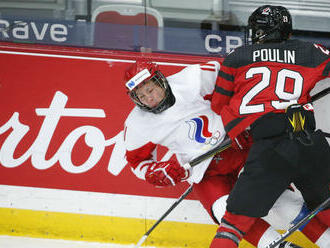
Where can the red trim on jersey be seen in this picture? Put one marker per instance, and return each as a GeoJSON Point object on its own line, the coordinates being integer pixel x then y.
{"type": "Point", "coordinates": [219, 100]}
{"type": "Point", "coordinates": [324, 217]}
{"type": "Point", "coordinates": [205, 131]}
{"type": "Point", "coordinates": [314, 229]}
{"type": "Point", "coordinates": [228, 70]}
{"type": "Point", "coordinates": [255, 233]}
{"type": "Point", "coordinates": [135, 157]}
{"type": "Point", "coordinates": [208, 69]}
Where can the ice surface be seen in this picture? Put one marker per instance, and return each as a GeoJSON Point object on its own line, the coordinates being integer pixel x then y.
{"type": "Point", "coordinates": [26, 242]}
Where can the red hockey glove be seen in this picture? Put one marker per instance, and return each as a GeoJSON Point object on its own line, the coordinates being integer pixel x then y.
{"type": "Point", "coordinates": [243, 141]}
{"type": "Point", "coordinates": [165, 173]}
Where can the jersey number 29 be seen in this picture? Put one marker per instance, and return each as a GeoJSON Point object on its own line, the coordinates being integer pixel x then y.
{"type": "Point", "coordinates": [288, 97]}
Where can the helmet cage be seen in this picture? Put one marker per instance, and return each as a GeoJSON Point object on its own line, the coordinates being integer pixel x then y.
{"type": "Point", "coordinates": [268, 23]}
{"type": "Point", "coordinates": [159, 79]}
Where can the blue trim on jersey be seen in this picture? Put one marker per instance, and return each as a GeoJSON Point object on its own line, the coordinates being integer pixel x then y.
{"type": "Point", "coordinates": [303, 212]}
{"type": "Point", "coordinates": [199, 127]}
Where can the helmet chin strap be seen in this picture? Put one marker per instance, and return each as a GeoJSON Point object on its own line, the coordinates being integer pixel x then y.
{"type": "Point", "coordinates": [270, 35]}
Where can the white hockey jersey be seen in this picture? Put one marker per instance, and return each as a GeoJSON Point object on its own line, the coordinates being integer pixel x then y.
{"type": "Point", "coordinates": [188, 128]}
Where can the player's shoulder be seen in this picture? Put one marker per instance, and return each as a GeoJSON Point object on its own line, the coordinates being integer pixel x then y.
{"type": "Point", "coordinates": [308, 53]}
{"type": "Point", "coordinates": [296, 44]}
{"type": "Point", "coordinates": [207, 66]}
{"type": "Point", "coordinates": [192, 71]}
{"type": "Point", "coordinates": [237, 56]}
{"type": "Point", "coordinates": [138, 126]}
{"type": "Point", "coordinates": [136, 118]}
{"type": "Point", "coordinates": [210, 65]}
{"type": "Point", "coordinates": [307, 47]}
{"type": "Point", "coordinates": [321, 49]}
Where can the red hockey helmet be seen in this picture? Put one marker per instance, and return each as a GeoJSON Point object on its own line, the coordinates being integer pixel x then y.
{"type": "Point", "coordinates": [141, 72]}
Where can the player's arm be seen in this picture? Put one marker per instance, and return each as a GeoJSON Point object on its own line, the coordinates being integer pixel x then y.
{"type": "Point", "coordinates": [158, 173]}
{"type": "Point", "coordinates": [209, 74]}
{"type": "Point", "coordinates": [323, 54]}
{"type": "Point", "coordinates": [224, 87]}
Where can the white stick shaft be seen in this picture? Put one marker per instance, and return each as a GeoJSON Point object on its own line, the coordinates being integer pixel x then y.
{"type": "Point", "coordinates": [141, 241]}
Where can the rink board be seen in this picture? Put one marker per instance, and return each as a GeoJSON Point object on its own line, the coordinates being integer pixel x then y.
{"type": "Point", "coordinates": [62, 170]}
{"type": "Point", "coordinates": [109, 218]}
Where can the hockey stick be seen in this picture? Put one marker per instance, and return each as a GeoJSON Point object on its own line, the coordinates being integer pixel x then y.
{"type": "Point", "coordinates": [321, 94]}
{"type": "Point", "coordinates": [299, 224]}
{"type": "Point", "coordinates": [145, 236]}
{"type": "Point", "coordinates": [226, 143]}
{"type": "Point", "coordinates": [327, 135]}
{"type": "Point", "coordinates": [219, 148]}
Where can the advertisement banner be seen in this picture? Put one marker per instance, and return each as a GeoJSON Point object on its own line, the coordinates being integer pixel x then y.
{"type": "Point", "coordinates": [62, 122]}
{"type": "Point", "coordinates": [106, 35]}
{"type": "Point", "coordinates": [44, 31]}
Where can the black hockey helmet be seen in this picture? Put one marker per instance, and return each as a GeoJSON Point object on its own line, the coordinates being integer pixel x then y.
{"type": "Point", "coordinates": [141, 72]}
{"type": "Point", "coordinates": [269, 23]}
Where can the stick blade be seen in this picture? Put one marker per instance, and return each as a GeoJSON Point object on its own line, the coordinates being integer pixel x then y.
{"type": "Point", "coordinates": [141, 241]}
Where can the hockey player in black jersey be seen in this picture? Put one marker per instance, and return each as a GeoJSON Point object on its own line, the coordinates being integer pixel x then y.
{"type": "Point", "coordinates": [265, 86]}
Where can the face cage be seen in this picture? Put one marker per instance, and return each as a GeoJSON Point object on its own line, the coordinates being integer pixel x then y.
{"type": "Point", "coordinates": [273, 34]}
{"type": "Point", "coordinates": [248, 36]}
{"type": "Point", "coordinates": [161, 81]}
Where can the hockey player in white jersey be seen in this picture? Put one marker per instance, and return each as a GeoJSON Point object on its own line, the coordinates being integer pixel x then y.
{"type": "Point", "coordinates": [174, 112]}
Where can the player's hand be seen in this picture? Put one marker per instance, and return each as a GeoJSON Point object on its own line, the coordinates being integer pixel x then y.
{"type": "Point", "coordinates": [165, 173]}
{"type": "Point", "coordinates": [243, 141]}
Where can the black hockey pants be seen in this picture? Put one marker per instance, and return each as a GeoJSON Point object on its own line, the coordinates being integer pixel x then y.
{"type": "Point", "coordinates": [276, 161]}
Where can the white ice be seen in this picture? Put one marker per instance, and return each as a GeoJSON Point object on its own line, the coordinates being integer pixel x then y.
{"type": "Point", "coordinates": [26, 242]}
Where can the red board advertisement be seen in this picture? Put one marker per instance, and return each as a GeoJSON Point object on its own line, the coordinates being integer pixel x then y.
{"type": "Point", "coordinates": [61, 112]}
